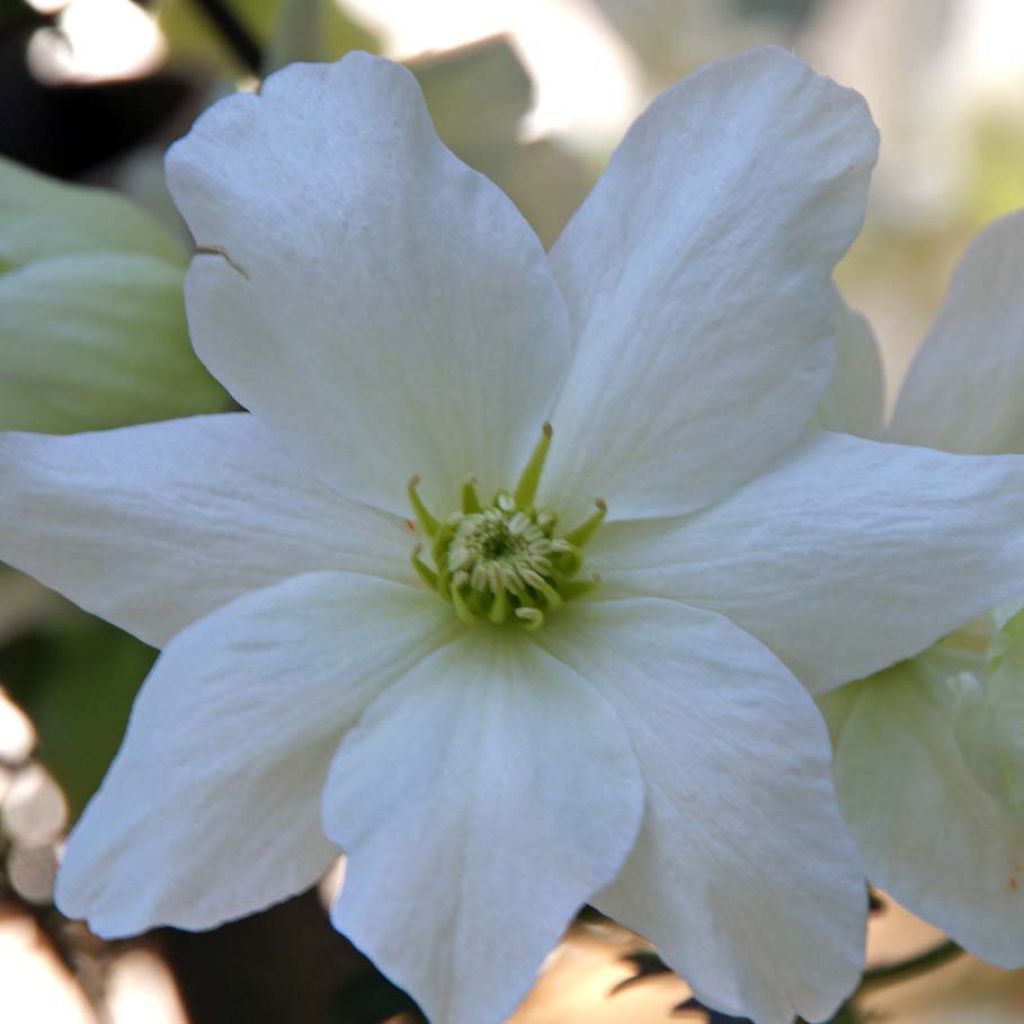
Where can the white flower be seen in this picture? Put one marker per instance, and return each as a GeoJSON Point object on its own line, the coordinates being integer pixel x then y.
{"type": "Point", "coordinates": [917, 748]}
{"type": "Point", "coordinates": [383, 312]}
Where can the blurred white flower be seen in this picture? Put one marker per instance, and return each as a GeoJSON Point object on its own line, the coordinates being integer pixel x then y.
{"type": "Point", "coordinates": [930, 754]}
{"type": "Point", "coordinates": [646, 745]}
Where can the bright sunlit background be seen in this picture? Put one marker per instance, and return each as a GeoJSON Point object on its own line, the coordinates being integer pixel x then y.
{"type": "Point", "coordinates": [535, 93]}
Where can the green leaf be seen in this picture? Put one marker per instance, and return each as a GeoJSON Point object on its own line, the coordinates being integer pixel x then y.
{"type": "Point", "coordinates": [855, 400]}
{"type": "Point", "coordinates": [92, 323]}
{"type": "Point", "coordinates": [42, 217]}
{"type": "Point", "coordinates": [478, 96]}
{"type": "Point", "coordinates": [287, 30]}
{"type": "Point", "coordinates": [313, 30]}
{"type": "Point", "coordinates": [96, 340]}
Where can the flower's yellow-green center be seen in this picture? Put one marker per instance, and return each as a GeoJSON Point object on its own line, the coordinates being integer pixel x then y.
{"type": "Point", "coordinates": [506, 561]}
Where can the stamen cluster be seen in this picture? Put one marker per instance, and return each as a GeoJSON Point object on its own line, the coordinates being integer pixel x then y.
{"type": "Point", "coordinates": [504, 561]}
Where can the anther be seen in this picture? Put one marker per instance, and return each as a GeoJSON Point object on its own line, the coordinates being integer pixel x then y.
{"type": "Point", "coordinates": [541, 585]}
{"type": "Point", "coordinates": [502, 559]}
{"type": "Point", "coordinates": [546, 520]}
{"type": "Point", "coordinates": [532, 618]}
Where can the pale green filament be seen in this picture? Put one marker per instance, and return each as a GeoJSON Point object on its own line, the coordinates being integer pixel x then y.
{"type": "Point", "coordinates": [504, 562]}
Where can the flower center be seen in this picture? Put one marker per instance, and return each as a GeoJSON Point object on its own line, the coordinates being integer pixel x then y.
{"type": "Point", "coordinates": [505, 561]}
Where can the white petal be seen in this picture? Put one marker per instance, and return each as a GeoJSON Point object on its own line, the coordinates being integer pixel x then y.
{"type": "Point", "coordinates": [211, 808]}
{"type": "Point", "coordinates": [963, 391]}
{"type": "Point", "coordinates": [698, 277]}
{"type": "Point", "coordinates": [929, 834]}
{"type": "Point", "coordinates": [480, 802]}
{"type": "Point", "coordinates": [154, 526]}
{"type": "Point", "coordinates": [742, 842]}
{"type": "Point", "coordinates": [385, 308]}
{"type": "Point", "coordinates": [844, 557]}
{"type": "Point", "coordinates": [855, 400]}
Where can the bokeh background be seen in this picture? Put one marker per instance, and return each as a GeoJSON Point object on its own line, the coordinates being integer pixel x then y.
{"type": "Point", "coordinates": [534, 93]}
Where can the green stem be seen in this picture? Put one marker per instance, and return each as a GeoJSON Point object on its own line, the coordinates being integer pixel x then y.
{"type": "Point", "coordinates": [930, 959]}
{"type": "Point", "coordinates": [234, 34]}
{"type": "Point", "coordinates": [889, 974]}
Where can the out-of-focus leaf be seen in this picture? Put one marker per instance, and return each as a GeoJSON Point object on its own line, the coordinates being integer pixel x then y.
{"type": "Point", "coordinates": [77, 682]}
{"type": "Point", "coordinates": [855, 400]}
{"type": "Point", "coordinates": [96, 340]}
{"type": "Point", "coordinates": [315, 30]}
{"type": "Point", "coordinates": [477, 95]}
{"type": "Point", "coordinates": [286, 30]}
{"type": "Point", "coordinates": [547, 182]}
{"type": "Point", "coordinates": [192, 37]}
{"type": "Point", "coordinates": [997, 154]}
{"type": "Point", "coordinates": [26, 605]}
{"type": "Point", "coordinates": [42, 217]}
{"type": "Point", "coordinates": [92, 322]}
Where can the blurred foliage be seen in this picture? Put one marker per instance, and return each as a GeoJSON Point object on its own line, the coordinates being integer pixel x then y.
{"type": "Point", "coordinates": [92, 320]}
{"type": "Point", "coordinates": [371, 999]}
{"type": "Point", "coordinates": [997, 159]}
{"type": "Point", "coordinates": [314, 30]}
{"type": "Point", "coordinates": [284, 32]}
{"type": "Point", "coordinates": [478, 96]}
{"type": "Point", "coordinates": [76, 677]}
{"type": "Point", "coordinates": [41, 217]}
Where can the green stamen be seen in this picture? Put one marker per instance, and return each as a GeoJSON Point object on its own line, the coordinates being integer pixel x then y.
{"type": "Point", "coordinates": [582, 533]}
{"type": "Point", "coordinates": [470, 500]}
{"type": "Point", "coordinates": [499, 609]}
{"type": "Point", "coordinates": [531, 618]}
{"type": "Point", "coordinates": [462, 610]}
{"type": "Point", "coordinates": [423, 570]}
{"type": "Point", "coordinates": [577, 588]}
{"type": "Point", "coordinates": [526, 488]}
{"type": "Point", "coordinates": [504, 562]}
{"type": "Point", "coordinates": [428, 524]}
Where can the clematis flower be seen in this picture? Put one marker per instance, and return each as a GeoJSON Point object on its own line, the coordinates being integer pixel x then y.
{"type": "Point", "coordinates": [929, 754]}
{"type": "Point", "coordinates": [428, 675]}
